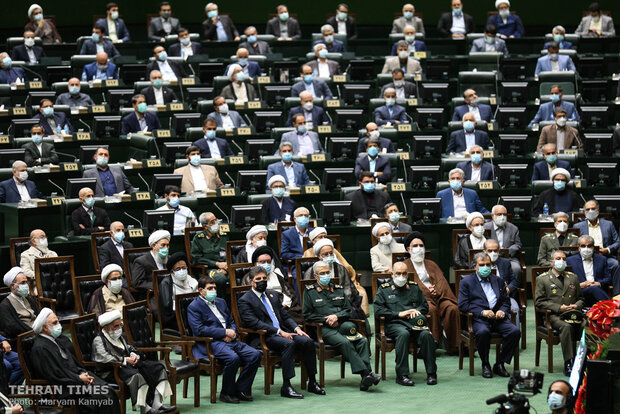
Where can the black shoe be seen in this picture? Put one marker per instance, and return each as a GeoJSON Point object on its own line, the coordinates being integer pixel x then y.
{"type": "Point", "coordinates": [500, 370]}
{"type": "Point", "coordinates": [315, 388]}
{"type": "Point", "coordinates": [367, 381]}
{"type": "Point", "coordinates": [376, 378]}
{"type": "Point", "coordinates": [167, 408]}
{"type": "Point", "coordinates": [242, 396]}
{"type": "Point", "coordinates": [568, 365]}
{"type": "Point", "coordinates": [289, 392]}
{"type": "Point", "coordinates": [404, 380]}
{"type": "Point", "coordinates": [486, 371]}
{"type": "Point", "coordinates": [431, 379]}
{"type": "Point", "coordinates": [229, 399]}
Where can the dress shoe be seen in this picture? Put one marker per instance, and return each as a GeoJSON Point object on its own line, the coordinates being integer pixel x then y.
{"type": "Point", "coordinates": [404, 380]}
{"type": "Point", "coordinates": [500, 370]}
{"type": "Point", "coordinates": [167, 408]}
{"type": "Point", "coordinates": [367, 381]}
{"type": "Point", "coordinates": [431, 379]}
{"type": "Point", "coordinates": [486, 371]}
{"type": "Point", "coordinates": [289, 392]}
{"type": "Point", "coordinates": [376, 378]}
{"type": "Point", "coordinates": [568, 365]}
{"type": "Point", "coordinates": [315, 388]}
{"type": "Point", "coordinates": [229, 399]}
{"type": "Point", "coordinates": [244, 397]}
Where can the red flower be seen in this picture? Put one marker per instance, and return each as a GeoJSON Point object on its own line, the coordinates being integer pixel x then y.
{"type": "Point", "coordinates": [601, 316]}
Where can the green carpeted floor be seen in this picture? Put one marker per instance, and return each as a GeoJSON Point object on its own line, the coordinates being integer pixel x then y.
{"type": "Point", "coordinates": [456, 391]}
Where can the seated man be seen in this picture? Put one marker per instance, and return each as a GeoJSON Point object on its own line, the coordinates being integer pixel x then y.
{"type": "Point", "coordinates": [53, 123]}
{"type": "Point", "coordinates": [110, 178]}
{"type": "Point", "coordinates": [225, 118]}
{"type": "Point", "coordinates": [256, 237]}
{"type": "Point", "coordinates": [54, 360]}
{"type": "Point", "coordinates": [209, 316]}
{"type": "Point", "coordinates": [140, 120]}
{"type": "Point", "coordinates": [592, 271]}
{"type": "Point", "coordinates": [408, 19]}
{"type": "Point", "coordinates": [484, 295]}
{"type": "Point", "coordinates": [304, 142]}
{"type": "Point", "coordinates": [343, 22]}
{"type": "Point", "coordinates": [43, 28]}
{"type": "Point", "coordinates": [491, 42]}
{"type": "Point", "coordinates": [250, 68]}
{"type": "Point", "coordinates": [294, 173]}
{"type": "Point", "coordinates": [378, 165]}
{"type": "Point", "coordinates": [38, 249]}
{"type": "Point", "coordinates": [142, 377]}
{"type": "Point", "coordinates": [218, 28]}
{"type": "Point", "coordinates": [509, 25]}
{"type": "Point", "coordinates": [253, 45]}
{"type": "Point", "coordinates": [170, 70]}
{"type": "Point", "coordinates": [239, 89]}
{"type": "Point", "coordinates": [19, 309]}
{"type": "Point", "coordinates": [457, 201]}
{"type": "Point", "coordinates": [112, 250]}
{"type": "Point", "coordinates": [211, 146]}
{"type": "Point", "coordinates": [372, 131]}
{"type": "Point", "coordinates": [551, 293]}
{"type": "Point", "coordinates": [185, 47]}
{"type": "Point", "coordinates": [475, 240]}
{"type": "Point", "coordinates": [12, 368]}
{"type": "Point", "coordinates": [38, 152]}
{"type": "Point", "coordinates": [507, 235]}
{"type": "Point", "coordinates": [559, 36]}
{"type": "Point", "coordinates": [402, 304]}
{"type": "Point", "coordinates": [390, 113]}
{"type": "Point", "coordinates": [414, 45]}
{"type": "Point", "coordinates": [332, 45]}
{"type": "Point", "coordinates": [209, 248]}
{"type": "Point", "coordinates": [455, 24]}
{"type": "Point", "coordinates": [381, 253]}
{"type": "Point", "coordinates": [315, 115]}
{"type": "Point", "coordinates": [178, 282]}
{"type": "Point", "coordinates": [559, 197]}
{"type": "Point", "coordinates": [28, 52]}
{"type": "Point", "coordinates": [88, 218]}
{"type": "Point", "coordinates": [262, 309]}
{"type": "Point", "coordinates": [100, 70]}
{"type": "Point", "coordinates": [327, 304]}
{"type": "Point", "coordinates": [546, 111]}
{"type": "Point", "coordinates": [143, 267]}
{"type": "Point", "coordinates": [551, 242]}
{"type": "Point", "coordinates": [404, 89]}
{"type": "Point", "coordinates": [596, 24]}
{"type": "Point", "coordinates": [19, 187]}
{"type": "Point", "coordinates": [157, 94]}
{"type": "Point", "coordinates": [542, 169]}
{"type": "Point", "coordinates": [9, 74]}
{"type": "Point", "coordinates": [277, 208]}
{"type": "Point", "coordinates": [98, 43]}
{"type": "Point", "coordinates": [164, 24]}
{"type": "Point", "coordinates": [112, 296]}
{"type": "Point", "coordinates": [462, 140]}
{"type": "Point", "coordinates": [560, 134]}
{"type": "Point", "coordinates": [391, 213]}
{"type": "Point", "coordinates": [477, 169]}
{"type": "Point", "coordinates": [113, 25]}
{"type": "Point", "coordinates": [553, 61]}
{"type": "Point", "coordinates": [183, 216]}
{"type": "Point", "coordinates": [197, 176]}
{"type": "Point", "coordinates": [402, 60]}
{"type": "Point", "coordinates": [367, 202]}
{"type": "Point", "coordinates": [482, 112]}
{"type": "Point", "coordinates": [291, 247]}
{"type": "Point", "coordinates": [308, 82]}
{"type": "Point", "coordinates": [502, 268]}
{"type": "Point", "coordinates": [74, 97]}
{"type": "Point", "coordinates": [282, 26]}
{"type": "Point", "coordinates": [321, 66]}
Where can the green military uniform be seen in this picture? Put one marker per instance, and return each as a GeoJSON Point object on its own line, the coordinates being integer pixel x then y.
{"type": "Point", "coordinates": [319, 303]}
{"type": "Point", "coordinates": [551, 293]}
{"type": "Point", "coordinates": [389, 302]}
{"type": "Point", "coordinates": [207, 250]}
{"type": "Point", "coordinates": [549, 243]}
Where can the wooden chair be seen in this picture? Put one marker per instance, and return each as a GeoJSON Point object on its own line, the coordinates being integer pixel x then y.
{"type": "Point", "coordinates": [399, 235]}
{"type": "Point", "coordinates": [188, 236]}
{"type": "Point", "coordinates": [301, 265]}
{"type": "Point", "coordinates": [165, 334]}
{"type": "Point", "coordinates": [18, 245]}
{"type": "Point", "coordinates": [96, 240]}
{"type": "Point", "coordinates": [285, 225]}
{"type": "Point", "coordinates": [84, 287]}
{"type": "Point", "coordinates": [466, 330]}
{"type": "Point", "coordinates": [232, 250]}
{"type": "Point", "coordinates": [236, 272]}
{"type": "Point", "coordinates": [544, 330]}
{"type": "Point", "coordinates": [54, 277]}
{"type": "Point", "coordinates": [139, 331]}
{"type": "Point", "coordinates": [129, 256]}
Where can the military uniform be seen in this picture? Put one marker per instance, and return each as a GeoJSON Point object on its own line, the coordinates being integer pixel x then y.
{"type": "Point", "coordinates": [319, 303]}
{"type": "Point", "coordinates": [551, 293]}
{"type": "Point", "coordinates": [207, 250]}
{"type": "Point", "coordinates": [389, 302]}
{"type": "Point", "coordinates": [549, 243]}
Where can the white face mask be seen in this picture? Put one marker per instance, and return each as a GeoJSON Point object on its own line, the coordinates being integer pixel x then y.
{"type": "Point", "coordinates": [42, 243]}
{"type": "Point", "coordinates": [592, 215]}
{"type": "Point", "coordinates": [478, 231]}
{"type": "Point", "coordinates": [559, 265]}
{"type": "Point", "coordinates": [417, 254]}
{"type": "Point", "coordinates": [400, 281]}
{"type": "Point", "coordinates": [562, 226]}
{"type": "Point", "coordinates": [500, 221]}
{"type": "Point", "coordinates": [385, 240]}
{"type": "Point", "coordinates": [493, 256]}
{"type": "Point", "coordinates": [22, 176]}
{"type": "Point", "coordinates": [403, 54]}
{"type": "Point", "coordinates": [261, 243]}
{"type": "Point", "coordinates": [116, 334]}
{"type": "Point", "coordinates": [374, 134]}
{"type": "Point", "coordinates": [586, 253]}
{"type": "Point", "coordinates": [116, 286]}
{"type": "Point", "coordinates": [29, 41]}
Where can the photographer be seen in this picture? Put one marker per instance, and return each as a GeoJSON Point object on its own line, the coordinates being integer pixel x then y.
{"type": "Point", "coordinates": [560, 397]}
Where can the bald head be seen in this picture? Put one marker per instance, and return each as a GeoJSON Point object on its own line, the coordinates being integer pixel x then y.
{"type": "Point", "coordinates": [399, 267]}
{"type": "Point", "coordinates": [469, 117]}
{"type": "Point", "coordinates": [86, 192]}
{"type": "Point", "coordinates": [102, 58]}
{"type": "Point", "coordinates": [242, 53]}
{"type": "Point", "coordinates": [305, 96]}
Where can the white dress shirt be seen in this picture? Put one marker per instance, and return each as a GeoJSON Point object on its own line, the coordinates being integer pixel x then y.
{"type": "Point", "coordinates": [31, 56]}
{"type": "Point", "coordinates": [561, 133]}
{"type": "Point", "coordinates": [181, 214]}
{"type": "Point", "coordinates": [588, 269]}
{"type": "Point", "coordinates": [342, 27]}
{"type": "Point", "coordinates": [112, 30]}
{"type": "Point", "coordinates": [499, 232]}
{"type": "Point", "coordinates": [305, 144]}
{"type": "Point", "coordinates": [595, 233]}
{"type": "Point", "coordinates": [458, 201]}
{"type": "Point", "coordinates": [458, 24]}
{"type": "Point", "coordinates": [166, 71]}
{"type": "Point", "coordinates": [555, 65]}
{"type": "Point", "coordinates": [323, 70]}
{"type": "Point", "coordinates": [400, 93]}
{"type": "Point", "coordinates": [470, 140]}
{"type": "Point", "coordinates": [227, 122]}
{"type": "Point", "coordinates": [99, 47]}
{"type": "Point", "coordinates": [290, 174]}
{"type": "Point", "coordinates": [216, 312]}
{"type": "Point", "coordinates": [475, 173]}
{"type": "Point", "coordinates": [213, 147]}
{"type": "Point", "coordinates": [200, 184]}
{"type": "Point", "coordinates": [119, 247]}
{"type": "Point", "coordinates": [23, 191]}
{"type": "Point", "coordinates": [187, 51]}
{"type": "Point", "coordinates": [476, 111]}
{"type": "Point", "coordinates": [159, 95]}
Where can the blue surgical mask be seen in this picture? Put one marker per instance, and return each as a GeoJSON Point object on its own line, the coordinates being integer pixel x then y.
{"type": "Point", "coordinates": [408, 15]}
{"type": "Point", "coordinates": [373, 151]}
{"type": "Point", "coordinates": [48, 111]}
{"type": "Point", "coordinates": [23, 290]}
{"type": "Point", "coordinates": [329, 39]}
{"type": "Point", "coordinates": [174, 202]}
{"type": "Point", "coordinates": [455, 185]}
{"type": "Point", "coordinates": [102, 161]}
{"type": "Point", "coordinates": [241, 77]}
{"type": "Point", "coordinates": [457, 12]}
{"type": "Point", "coordinates": [369, 187]}
{"type": "Point", "coordinates": [323, 53]}
{"type": "Point", "coordinates": [38, 17]}
{"type": "Point", "coordinates": [252, 39]}
{"type": "Point", "coordinates": [555, 401]}
{"type": "Point", "coordinates": [119, 236]}
{"type": "Point", "coordinates": [284, 16]}
{"type": "Point", "coordinates": [142, 107]}
{"type": "Point", "coordinates": [410, 39]}
{"type": "Point", "coordinates": [95, 37]}
{"type": "Point", "coordinates": [266, 266]}
{"type": "Point", "coordinates": [484, 271]}
{"type": "Point", "coordinates": [211, 295]}
{"type": "Point", "coordinates": [242, 62]}
{"type": "Point", "coordinates": [559, 185]}
{"type": "Point", "coordinates": [212, 14]}
{"type": "Point", "coordinates": [328, 259]}
{"type": "Point", "coordinates": [390, 101]}
{"type": "Point", "coordinates": [162, 56]}
{"type": "Point", "coordinates": [558, 38]}
{"type": "Point", "coordinates": [278, 192]}
{"type": "Point", "coordinates": [504, 13]}
{"type": "Point", "coordinates": [325, 279]}
{"type": "Point", "coordinates": [287, 156]}
{"type": "Point", "coordinates": [489, 39]}
{"type": "Point", "coordinates": [302, 129]}
{"type": "Point", "coordinates": [74, 90]}
{"type": "Point", "coordinates": [37, 139]}
{"type": "Point", "coordinates": [342, 16]}
{"type": "Point", "coordinates": [89, 202]}
{"type": "Point", "coordinates": [7, 62]}
{"type": "Point", "coordinates": [555, 98]}
{"type": "Point", "coordinates": [185, 41]}
{"type": "Point", "coordinates": [308, 78]}
{"type": "Point", "coordinates": [476, 158]}
{"type": "Point", "coordinates": [163, 252]}
{"type": "Point", "coordinates": [551, 159]}
{"type": "Point", "coordinates": [302, 221]}
{"type": "Point", "coordinates": [180, 275]}
{"type": "Point", "coordinates": [56, 330]}
{"type": "Point", "coordinates": [195, 159]}
{"type": "Point", "coordinates": [394, 216]}
{"type": "Point", "coordinates": [210, 134]}
{"type": "Point", "coordinates": [469, 126]}
{"type": "Point", "coordinates": [114, 15]}
{"type": "Point", "coordinates": [158, 83]}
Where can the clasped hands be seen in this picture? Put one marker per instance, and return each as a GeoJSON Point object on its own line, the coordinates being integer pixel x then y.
{"type": "Point", "coordinates": [489, 314]}
{"type": "Point", "coordinates": [409, 314]}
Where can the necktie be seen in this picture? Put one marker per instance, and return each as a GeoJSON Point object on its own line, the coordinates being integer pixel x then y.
{"type": "Point", "coordinates": [561, 240]}
{"type": "Point", "coordinates": [274, 320]}
{"type": "Point", "coordinates": [91, 213]}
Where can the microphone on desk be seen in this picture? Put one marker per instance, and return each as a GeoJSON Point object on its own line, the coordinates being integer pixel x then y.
{"type": "Point", "coordinates": [57, 186]}
{"type": "Point", "coordinates": [314, 209]}
{"type": "Point", "coordinates": [37, 75]}
{"type": "Point", "coordinates": [85, 124]}
{"type": "Point", "coordinates": [236, 145]}
{"type": "Point", "coordinates": [132, 217]}
{"type": "Point", "coordinates": [221, 211]}
{"type": "Point", "coordinates": [315, 176]}
{"type": "Point", "coordinates": [231, 179]}
{"type": "Point", "coordinates": [148, 187]}
{"type": "Point", "coordinates": [73, 157]}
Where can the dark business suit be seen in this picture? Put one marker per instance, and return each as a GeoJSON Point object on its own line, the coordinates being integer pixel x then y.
{"type": "Point", "coordinates": [10, 194]}
{"type": "Point", "coordinates": [541, 169]}
{"type": "Point", "coordinates": [503, 268]}
{"type": "Point", "coordinates": [445, 24]}
{"type": "Point", "coordinates": [600, 271]}
{"type": "Point", "coordinates": [234, 116]}
{"type": "Point", "coordinates": [156, 28]}
{"type": "Point", "coordinates": [383, 116]}
{"type": "Point", "coordinates": [90, 48]}
{"type": "Point", "coordinates": [611, 242]}
{"type": "Point", "coordinates": [271, 211]}
{"type": "Point", "coordinates": [20, 52]}
{"type": "Point", "coordinates": [81, 216]}
{"type": "Point", "coordinates": [109, 254]}
{"type": "Point", "coordinates": [321, 90]}
{"type": "Point", "coordinates": [458, 143]}
{"type": "Point", "coordinates": [121, 29]}
{"type": "Point", "coordinates": [299, 172]}
{"type": "Point", "coordinates": [472, 202]}
{"type": "Point", "coordinates": [175, 49]}
{"type": "Point", "coordinates": [291, 245]}
{"type": "Point", "coordinates": [142, 272]}
{"type": "Point", "coordinates": [131, 123]}
{"type": "Point", "coordinates": [383, 143]}
{"type": "Point", "coordinates": [334, 67]}
{"type": "Point", "coordinates": [512, 27]}
{"type": "Point", "coordinates": [292, 28]}
{"type": "Point", "coordinates": [410, 89]}
{"type": "Point", "coordinates": [350, 24]}
{"type": "Point", "coordinates": [120, 180]}
{"type": "Point", "coordinates": [176, 67]}
{"type": "Point", "coordinates": [382, 164]}
{"type": "Point", "coordinates": [318, 115]}
{"type": "Point", "coordinates": [261, 48]}
{"type": "Point", "coordinates": [210, 29]}
{"type": "Point", "coordinates": [486, 113]}
{"type": "Point", "coordinates": [363, 205]}
{"type": "Point", "coordinates": [59, 118]}
{"type": "Point", "coordinates": [205, 152]}
{"type": "Point", "coordinates": [10, 75]}
{"type": "Point", "coordinates": [548, 196]}
{"type": "Point", "coordinates": [90, 71]}
{"type": "Point", "coordinates": [336, 47]}
{"type": "Point", "coordinates": [47, 155]}
{"type": "Point", "coordinates": [487, 172]}
{"type": "Point", "coordinates": [149, 94]}
{"type": "Point", "coordinates": [419, 45]}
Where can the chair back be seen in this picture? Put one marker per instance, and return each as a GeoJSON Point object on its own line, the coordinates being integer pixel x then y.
{"type": "Point", "coordinates": [188, 236]}
{"type": "Point", "coordinates": [83, 331]}
{"type": "Point", "coordinates": [54, 277]}
{"type": "Point", "coordinates": [237, 271]}
{"type": "Point", "coordinates": [235, 295]}
{"type": "Point", "coordinates": [232, 250]}
{"type": "Point", "coordinates": [129, 256]}
{"type": "Point", "coordinates": [302, 264]}
{"type": "Point", "coordinates": [18, 245]}
{"type": "Point", "coordinates": [25, 342]}
{"type": "Point", "coordinates": [281, 227]}
{"type": "Point", "coordinates": [96, 240]}
{"type": "Point", "coordinates": [138, 325]}
{"type": "Point", "coordinates": [158, 276]}
{"type": "Point", "coordinates": [182, 302]}
{"type": "Point", "coordinates": [84, 287]}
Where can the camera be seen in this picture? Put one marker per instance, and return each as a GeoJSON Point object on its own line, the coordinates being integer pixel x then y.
{"type": "Point", "coordinates": [515, 402]}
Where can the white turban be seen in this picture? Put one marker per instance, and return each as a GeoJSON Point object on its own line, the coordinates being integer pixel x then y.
{"type": "Point", "coordinates": [378, 226]}
{"type": "Point", "coordinates": [471, 218]}
{"type": "Point", "coordinates": [231, 70]}
{"type": "Point", "coordinates": [41, 320]}
{"type": "Point", "coordinates": [498, 2]}
{"type": "Point", "coordinates": [109, 317]}
{"type": "Point", "coordinates": [275, 179]}
{"type": "Point", "coordinates": [34, 6]}
{"type": "Point", "coordinates": [109, 269]}
{"type": "Point", "coordinates": [258, 229]}
{"type": "Point", "coordinates": [320, 244]}
{"type": "Point", "coordinates": [11, 275]}
{"type": "Point", "coordinates": [158, 235]}
{"type": "Point", "coordinates": [560, 171]}
{"type": "Point", "coordinates": [316, 232]}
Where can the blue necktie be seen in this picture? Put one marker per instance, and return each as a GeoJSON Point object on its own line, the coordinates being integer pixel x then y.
{"type": "Point", "coordinates": [272, 315]}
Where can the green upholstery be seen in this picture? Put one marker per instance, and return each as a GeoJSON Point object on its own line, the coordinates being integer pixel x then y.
{"type": "Point", "coordinates": [257, 198]}
{"type": "Point", "coordinates": [483, 82]}
{"type": "Point", "coordinates": [267, 160]}
{"type": "Point", "coordinates": [62, 87]}
{"type": "Point", "coordinates": [276, 133]}
{"type": "Point", "coordinates": [206, 106]}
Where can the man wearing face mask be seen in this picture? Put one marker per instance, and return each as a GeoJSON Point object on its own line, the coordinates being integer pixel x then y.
{"type": "Point", "coordinates": [249, 68]}
{"type": "Point", "coordinates": [211, 146]}
{"type": "Point", "coordinates": [223, 116]}
{"type": "Point", "coordinates": [112, 295]}
{"type": "Point", "coordinates": [182, 215]}
{"type": "Point", "coordinates": [43, 28]}
{"type": "Point", "coordinates": [98, 43]}
{"type": "Point", "coordinates": [393, 216]}
{"type": "Point", "coordinates": [143, 267]}
{"type": "Point", "coordinates": [294, 173]}
{"type": "Point", "coordinates": [560, 134]}
{"type": "Point", "coordinates": [239, 89]}
{"type": "Point", "coordinates": [508, 24]}
{"type": "Point", "coordinates": [372, 131]}
{"type": "Point", "coordinates": [408, 19]}
{"type": "Point", "coordinates": [292, 239]}
{"type": "Point", "coordinates": [477, 169]}
{"type": "Point", "coordinates": [314, 114]}
{"type": "Point", "coordinates": [100, 70]}
{"type": "Point", "coordinates": [256, 237]}
{"type": "Point", "coordinates": [218, 28]}
{"type": "Point", "coordinates": [170, 70]}
{"type": "Point", "coordinates": [282, 26]}
{"type": "Point", "coordinates": [414, 45]}
{"type": "Point", "coordinates": [402, 60]}
{"type": "Point", "coordinates": [475, 240]}
{"type": "Point", "coordinates": [332, 45]}
{"type": "Point", "coordinates": [546, 111]}
{"type": "Point", "coordinates": [343, 22]}
{"type": "Point", "coordinates": [178, 282]}
{"type": "Point", "coordinates": [553, 61]}
{"type": "Point", "coordinates": [19, 309]}
{"type": "Point", "coordinates": [551, 242]}
{"type": "Point", "coordinates": [279, 207]}
{"type": "Point", "coordinates": [560, 397]}
{"type": "Point", "coordinates": [559, 36]}
{"type": "Point", "coordinates": [481, 112]}
{"type": "Point", "coordinates": [507, 235]}
{"type": "Point", "coordinates": [308, 82]}
{"type": "Point", "coordinates": [455, 24]}
{"type": "Point", "coordinates": [53, 123]}
{"type": "Point", "coordinates": [390, 113]}
{"type": "Point", "coordinates": [381, 253]}
{"type": "Point", "coordinates": [502, 268]}
{"type": "Point", "coordinates": [164, 24]}
{"type": "Point", "coordinates": [558, 198]}
{"type": "Point", "coordinates": [209, 248]}
{"type": "Point", "coordinates": [184, 47]}
{"type": "Point", "coordinates": [74, 97]}
{"type": "Point", "coordinates": [253, 45]}
{"type": "Point", "coordinates": [140, 120]}
{"type": "Point", "coordinates": [28, 52]}
{"type": "Point", "coordinates": [18, 188]}
{"type": "Point", "coordinates": [542, 169]}
{"type": "Point", "coordinates": [110, 178]}
{"type": "Point", "coordinates": [404, 307]}
{"type": "Point", "coordinates": [404, 89]}
{"type": "Point", "coordinates": [592, 271]}
{"type": "Point", "coordinates": [39, 152]}
{"type": "Point", "coordinates": [596, 24]}
{"type": "Point", "coordinates": [9, 74]}
{"type": "Point", "coordinates": [484, 295]}
{"type": "Point", "coordinates": [491, 42]}
{"type": "Point", "coordinates": [111, 251]}
{"type": "Point", "coordinates": [197, 176]}
{"type": "Point", "coordinates": [457, 201]}
{"type": "Point", "coordinates": [374, 163]}
{"type": "Point", "coordinates": [88, 218]}
{"type": "Point", "coordinates": [559, 291]}
{"type": "Point", "coordinates": [157, 93]}
{"type": "Point", "coordinates": [367, 201]}
{"type": "Point", "coordinates": [113, 25]}
{"type": "Point", "coordinates": [321, 66]}
{"type": "Point", "coordinates": [38, 249]}
{"type": "Point", "coordinates": [462, 140]}
{"type": "Point", "coordinates": [304, 142]}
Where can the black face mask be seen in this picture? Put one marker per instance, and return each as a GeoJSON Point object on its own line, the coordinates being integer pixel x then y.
{"type": "Point", "coordinates": [261, 286]}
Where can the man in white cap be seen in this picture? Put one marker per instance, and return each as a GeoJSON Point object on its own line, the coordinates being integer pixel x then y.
{"type": "Point", "coordinates": [279, 207]}
{"type": "Point", "coordinates": [53, 359]}
{"type": "Point", "coordinates": [19, 309]}
{"type": "Point", "coordinates": [37, 250]}
{"type": "Point", "coordinates": [381, 253]}
{"type": "Point", "coordinates": [256, 237]}
{"type": "Point", "coordinates": [112, 295]}
{"type": "Point", "coordinates": [508, 24]}
{"type": "Point", "coordinates": [559, 197]}
{"type": "Point", "coordinates": [209, 248]}
{"type": "Point", "coordinates": [143, 266]}
{"type": "Point", "coordinates": [147, 380]}
{"type": "Point", "coordinates": [11, 359]}
{"type": "Point", "coordinates": [475, 240]}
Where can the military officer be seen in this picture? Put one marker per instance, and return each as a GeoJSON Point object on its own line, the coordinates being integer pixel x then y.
{"type": "Point", "coordinates": [559, 291]}
{"type": "Point", "coordinates": [326, 303]}
{"type": "Point", "coordinates": [551, 242]}
{"type": "Point", "coordinates": [403, 305]}
{"type": "Point", "coordinates": [209, 248]}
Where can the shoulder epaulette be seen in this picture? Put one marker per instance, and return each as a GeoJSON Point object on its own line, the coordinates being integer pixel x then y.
{"type": "Point", "coordinates": [548, 235]}
{"type": "Point", "coordinates": [201, 235]}
{"type": "Point", "coordinates": [386, 284]}
{"type": "Point", "coordinates": [572, 235]}
{"type": "Point", "coordinates": [310, 287]}
{"type": "Point", "coordinates": [338, 286]}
